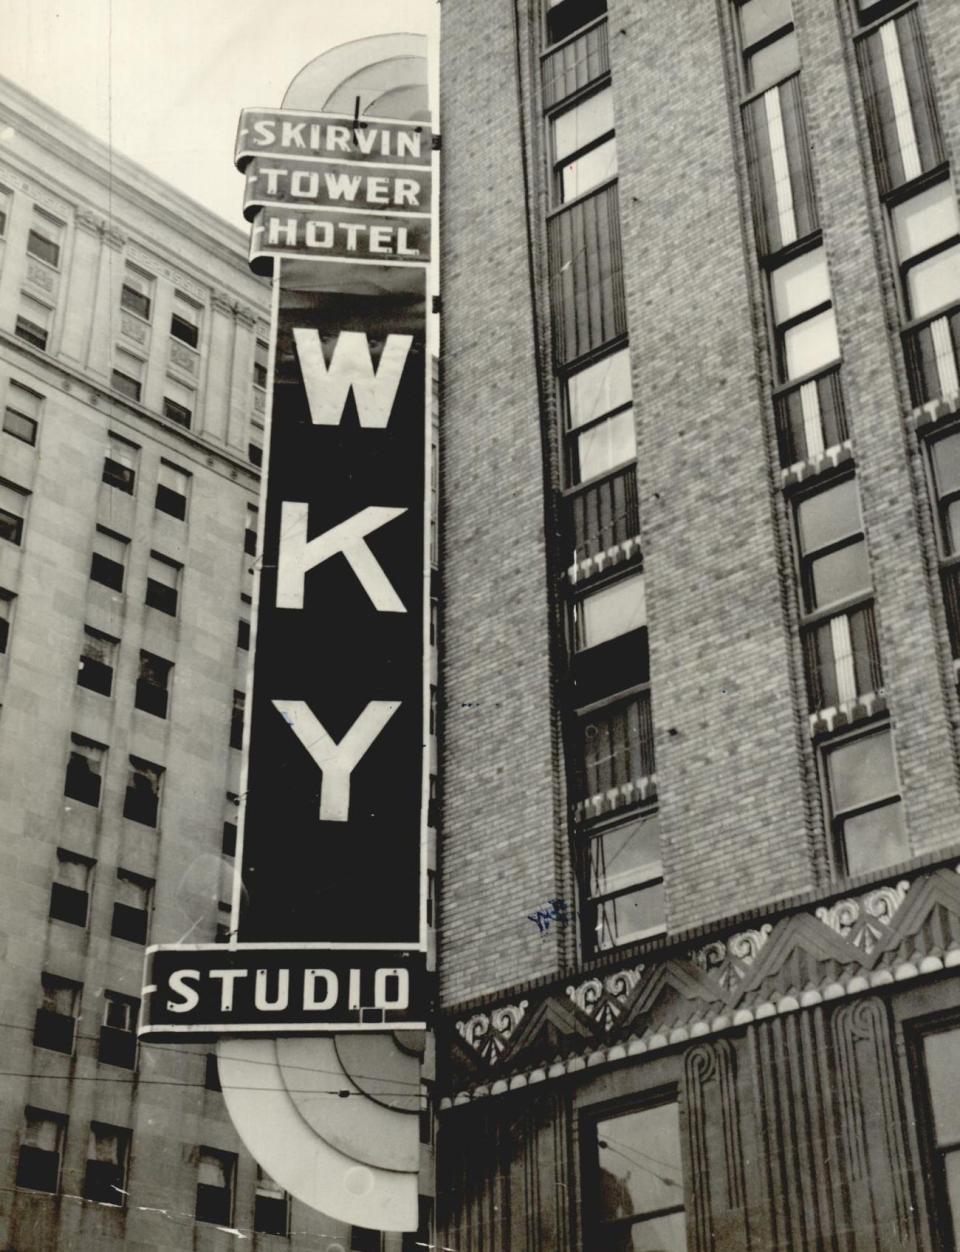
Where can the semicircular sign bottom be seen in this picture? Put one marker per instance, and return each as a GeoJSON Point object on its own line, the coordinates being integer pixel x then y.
{"type": "Point", "coordinates": [291, 1146]}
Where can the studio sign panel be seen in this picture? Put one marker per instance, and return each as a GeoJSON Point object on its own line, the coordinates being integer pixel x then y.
{"type": "Point", "coordinates": [335, 188]}
{"type": "Point", "coordinates": [330, 889]}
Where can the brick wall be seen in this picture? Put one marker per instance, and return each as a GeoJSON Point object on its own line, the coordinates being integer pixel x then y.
{"type": "Point", "coordinates": [498, 863]}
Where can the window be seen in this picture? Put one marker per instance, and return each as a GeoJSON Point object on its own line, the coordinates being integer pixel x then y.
{"type": "Point", "coordinates": [163, 584]}
{"type": "Point", "coordinates": [216, 1172]}
{"type": "Point", "coordinates": [778, 157]}
{"type": "Point", "coordinates": [768, 42]}
{"type": "Point", "coordinates": [833, 554]}
{"type": "Point", "coordinates": [866, 811]}
{"type": "Point", "coordinates": [803, 314]}
{"type": "Point", "coordinates": [131, 909]}
{"type": "Point", "coordinates": [120, 464]}
{"type": "Point", "coordinates": [33, 322]}
{"type": "Point", "coordinates": [84, 771]}
{"type": "Point", "coordinates": [271, 1208]}
{"type": "Point", "coordinates": [153, 684]}
{"type": "Point", "coordinates": [600, 430]}
{"type": "Point", "coordinates": [584, 147]}
{"type": "Point", "coordinates": [945, 466]}
{"type": "Point", "coordinates": [229, 840]}
{"type": "Point", "coordinates": [185, 320]}
{"type": "Point", "coordinates": [614, 609]}
{"type": "Point", "coordinates": [179, 402]}
{"type": "Point", "coordinates": [211, 1074]}
{"type": "Point", "coordinates": [638, 1184]}
{"type": "Point", "coordinates": [22, 413]}
{"type": "Point", "coordinates": [136, 294]}
{"type": "Point", "coordinates": [901, 115]}
{"type": "Point", "coordinates": [236, 720]}
{"type": "Point", "coordinates": [45, 238]}
{"type": "Point", "coordinates": [362, 1239]}
{"type": "Point", "coordinates": [255, 454]}
{"type": "Point", "coordinates": [6, 195]}
{"type": "Point", "coordinates": [426, 1112]}
{"type": "Point", "coordinates": [105, 1179]}
{"type": "Point", "coordinates": [13, 508]}
{"type": "Point", "coordinates": [97, 660]}
{"type": "Point", "coordinates": [127, 376]}
{"type": "Point", "coordinates": [118, 1037]}
{"type": "Point", "coordinates": [261, 359]}
{"type": "Point", "coordinates": [625, 882]}
{"type": "Point", "coordinates": [56, 1019]}
{"type": "Point", "coordinates": [6, 617]}
{"type": "Point", "coordinates": [941, 1055]}
{"type": "Point", "coordinates": [142, 800]}
{"type": "Point", "coordinates": [927, 232]}
{"type": "Point", "coordinates": [109, 560]}
{"type": "Point", "coordinates": [615, 747]}
{"type": "Point", "coordinates": [566, 16]}
{"type": "Point", "coordinates": [243, 635]}
{"type": "Point", "coordinates": [250, 534]}
{"type": "Point", "coordinates": [41, 1150]}
{"type": "Point", "coordinates": [173, 487]}
{"type": "Point", "coordinates": [70, 890]}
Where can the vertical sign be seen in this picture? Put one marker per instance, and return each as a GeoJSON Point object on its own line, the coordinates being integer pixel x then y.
{"type": "Point", "coordinates": [329, 930]}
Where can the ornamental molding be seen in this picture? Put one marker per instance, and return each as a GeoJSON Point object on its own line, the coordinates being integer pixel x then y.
{"type": "Point", "coordinates": [904, 929]}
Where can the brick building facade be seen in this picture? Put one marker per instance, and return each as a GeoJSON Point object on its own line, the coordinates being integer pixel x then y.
{"type": "Point", "coordinates": [700, 908]}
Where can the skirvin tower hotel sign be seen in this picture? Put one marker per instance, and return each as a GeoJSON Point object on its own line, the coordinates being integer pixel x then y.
{"type": "Point", "coordinates": [328, 929]}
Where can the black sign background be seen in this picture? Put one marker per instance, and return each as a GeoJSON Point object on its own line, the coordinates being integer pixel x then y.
{"type": "Point", "coordinates": [356, 881]}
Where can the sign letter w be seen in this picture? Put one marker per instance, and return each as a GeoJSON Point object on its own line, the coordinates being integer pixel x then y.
{"type": "Point", "coordinates": [351, 366]}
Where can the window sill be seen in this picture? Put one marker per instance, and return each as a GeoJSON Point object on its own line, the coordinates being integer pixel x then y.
{"type": "Point", "coordinates": [926, 416]}
{"type": "Point", "coordinates": [829, 459]}
{"type": "Point", "coordinates": [849, 713]}
{"type": "Point", "coordinates": [600, 562]}
{"type": "Point", "coordinates": [638, 791]}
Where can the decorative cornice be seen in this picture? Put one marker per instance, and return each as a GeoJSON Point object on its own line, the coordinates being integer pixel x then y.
{"type": "Point", "coordinates": [895, 931]}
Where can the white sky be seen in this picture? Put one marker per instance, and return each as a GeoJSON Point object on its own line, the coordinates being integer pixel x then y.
{"type": "Point", "coordinates": [164, 80]}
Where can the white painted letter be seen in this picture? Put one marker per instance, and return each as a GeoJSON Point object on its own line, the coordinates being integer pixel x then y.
{"type": "Point", "coordinates": [305, 183]}
{"type": "Point", "coordinates": [331, 983]}
{"type": "Point", "coordinates": [289, 228]}
{"type": "Point", "coordinates": [178, 983]}
{"type": "Point", "coordinates": [228, 978]}
{"type": "Point", "coordinates": [272, 176]}
{"type": "Point", "coordinates": [402, 998]}
{"type": "Point", "coordinates": [336, 761]}
{"type": "Point", "coordinates": [299, 554]}
{"type": "Point", "coordinates": [406, 191]}
{"type": "Point", "coordinates": [283, 991]}
{"type": "Point", "coordinates": [342, 186]}
{"type": "Point", "coordinates": [351, 366]}
{"type": "Point", "coordinates": [265, 132]}
{"type": "Point", "coordinates": [319, 234]}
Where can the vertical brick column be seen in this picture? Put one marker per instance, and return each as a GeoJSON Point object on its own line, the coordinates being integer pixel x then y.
{"type": "Point", "coordinates": [729, 764]}
{"type": "Point", "coordinates": [498, 820]}
{"type": "Point", "coordinates": [865, 299]}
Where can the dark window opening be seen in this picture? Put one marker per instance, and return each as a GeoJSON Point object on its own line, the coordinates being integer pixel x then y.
{"type": "Point", "coordinates": [11, 527]}
{"type": "Point", "coordinates": [83, 778]}
{"type": "Point", "coordinates": [31, 332]}
{"type": "Point", "coordinates": [20, 426]}
{"type": "Point", "coordinates": [186, 332]}
{"type": "Point", "coordinates": [566, 16]}
{"type": "Point", "coordinates": [142, 800]}
{"type": "Point", "coordinates": [178, 413]}
{"type": "Point", "coordinates": [136, 301]}
{"type": "Point", "coordinates": [127, 386]}
{"type": "Point", "coordinates": [153, 684]}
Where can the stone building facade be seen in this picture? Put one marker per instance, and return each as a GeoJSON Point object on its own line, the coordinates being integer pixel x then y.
{"type": "Point", "coordinates": [133, 375]}
{"type": "Point", "coordinates": [700, 904]}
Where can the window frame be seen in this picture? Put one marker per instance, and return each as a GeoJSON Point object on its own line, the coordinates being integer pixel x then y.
{"type": "Point", "coordinates": [189, 341]}
{"type": "Point", "coordinates": [836, 818]}
{"type": "Point", "coordinates": [551, 44]}
{"type": "Point", "coordinates": [117, 1045]}
{"type": "Point", "coordinates": [592, 901]}
{"type": "Point", "coordinates": [65, 899]}
{"type": "Point", "coordinates": [746, 50]}
{"type": "Point", "coordinates": [147, 695]}
{"type": "Point", "coordinates": [229, 1162]}
{"type": "Point", "coordinates": [140, 767]}
{"type": "Point", "coordinates": [32, 1113]}
{"type": "Point", "coordinates": [56, 244]}
{"type": "Point", "coordinates": [932, 1155]}
{"type": "Point", "coordinates": [37, 334]}
{"type": "Point", "coordinates": [96, 667]}
{"type": "Point", "coordinates": [8, 598]}
{"type": "Point", "coordinates": [811, 614]}
{"type": "Point", "coordinates": [558, 164]}
{"type": "Point", "coordinates": [75, 743]}
{"type": "Point", "coordinates": [896, 199]}
{"type": "Point", "coordinates": [146, 280]}
{"type": "Point", "coordinates": [589, 1120]}
{"type": "Point", "coordinates": [10, 409]}
{"type": "Point", "coordinates": [125, 919]}
{"type": "Point", "coordinates": [48, 1023]}
{"type": "Point", "coordinates": [106, 561]}
{"type": "Point", "coordinates": [167, 598]}
{"type": "Point", "coordinates": [120, 1170]}
{"type": "Point", "coordinates": [571, 434]}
